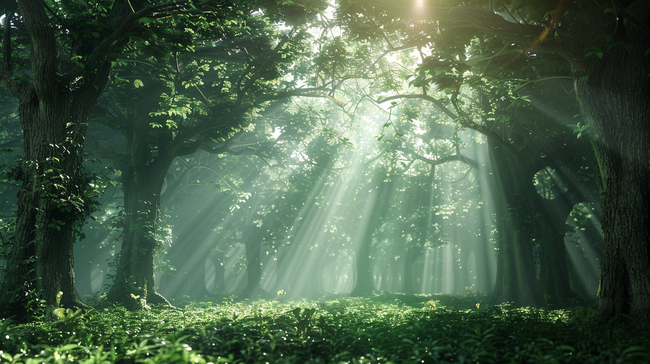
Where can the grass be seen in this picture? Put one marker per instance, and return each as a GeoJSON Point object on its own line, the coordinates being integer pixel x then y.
{"type": "Point", "coordinates": [380, 329]}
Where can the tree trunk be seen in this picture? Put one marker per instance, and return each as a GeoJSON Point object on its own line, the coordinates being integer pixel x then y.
{"type": "Point", "coordinates": [51, 204]}
{"type": "Point", "coordinates": [409, 281]}
{"type": "Point", "coordinates": [253, 266]}
{"type": "Point", "coordinates": [516, 279]}
{"type": "Point", "coordinates": [554, 271]}
{"type": "Point", "coordinates": [135, 271]}
{"type": "Point", "coordinates": [483, 252]}
{"type": "Point", "coordinates": [365, 283]}
{"type": "Point", "coordinates": [219, 276]}
{"type": "Point", "coordinates": [142, 183]}
{"type": "Point", "coordinates": [615, 100]}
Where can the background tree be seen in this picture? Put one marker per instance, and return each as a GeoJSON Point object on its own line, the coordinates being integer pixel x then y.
{"type": "Point", "coordinates": [172, 104]}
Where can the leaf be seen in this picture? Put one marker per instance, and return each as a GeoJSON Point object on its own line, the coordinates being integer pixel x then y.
{"type": "Point", "coordinates": [60, 313]}
{"type": "Point", "coordinates": [594, 50]}
{"type": "Point", "coordinates": [138, 83]}
{"type": "Point", "coordinates": [68, 347]}
{"type": "Point", "coordinates": [171, 124]}
{"type": "Point", "coordinates": [635, 351]}
{"type": "Point", "coordinates": [626, 46]}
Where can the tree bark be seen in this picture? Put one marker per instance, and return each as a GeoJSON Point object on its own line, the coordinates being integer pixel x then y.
{"type": "Point", "coordinates": [614, 93]}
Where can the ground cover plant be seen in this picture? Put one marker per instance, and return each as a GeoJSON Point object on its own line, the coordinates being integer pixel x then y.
{"type": "Point", "coordinates": [379, 329]}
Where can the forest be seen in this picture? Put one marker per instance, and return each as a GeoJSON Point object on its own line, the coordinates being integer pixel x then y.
{"type": "Point", "coordinates": [316, 181]}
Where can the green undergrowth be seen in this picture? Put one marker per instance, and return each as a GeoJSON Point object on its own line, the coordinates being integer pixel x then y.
{"type": "Point", "coordinates": [380, 329]}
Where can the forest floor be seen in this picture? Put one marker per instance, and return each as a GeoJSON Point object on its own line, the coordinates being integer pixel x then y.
{"type": "Point", "coordinates": [388, 328]}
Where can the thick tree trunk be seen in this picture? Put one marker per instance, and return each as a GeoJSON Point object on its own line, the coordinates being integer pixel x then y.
{"type": "Point", "coordinates": [615, 100]}
{"type": "Point", "coordinates": [54, 112]}
{"type": "Point", "coordinates": [50, 204]}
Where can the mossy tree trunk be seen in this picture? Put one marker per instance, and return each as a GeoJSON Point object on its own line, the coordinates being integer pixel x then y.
{"type": "Point", "coordinates": [50, 207]}
{"type": "Point", "coordinates": [54, 112]}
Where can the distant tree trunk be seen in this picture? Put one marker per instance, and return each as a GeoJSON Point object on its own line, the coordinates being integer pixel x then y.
{"type": "Point", "coordinates": [409, 280]}
{"type": "Point", "coordinates": [365, 283]}
{"type": "Point", "coordinates": [219, 276]}
{"type": "Point", "coordinates": [516, 279]}
{"type": "Point", "coordinates": [615, 97]}
{"type": "Point", "coordinates": [461, 268]}
{"type": "Point", "coordinates": [484, 279]}
{"type": "Point", "coordinates": [142, 183]}
{"type": "Point", "coordinates": [83, 280]}
{"type": "Point", "coordinates": [253, 267]}
{"type": "Point", "coordinates": [554, 270]}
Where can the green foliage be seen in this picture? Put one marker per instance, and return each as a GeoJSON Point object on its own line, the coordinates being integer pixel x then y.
{"type": "Point", "coordinates": [386, 328]}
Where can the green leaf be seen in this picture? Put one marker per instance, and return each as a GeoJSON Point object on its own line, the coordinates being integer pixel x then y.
{"type": "Point", "coordinates": [138, 83]}
{"type": "Point", "coordinates": [594, 50]}
{"type": "Point", "coordinates": [60, 313]}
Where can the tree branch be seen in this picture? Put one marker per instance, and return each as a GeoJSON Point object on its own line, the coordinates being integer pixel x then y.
{"type": "Point", "coordinates": [465, 123]}
{"type": "Point", "coordinates": [443, 160]}
{"type": "Point", "coordinates": [101, 53]}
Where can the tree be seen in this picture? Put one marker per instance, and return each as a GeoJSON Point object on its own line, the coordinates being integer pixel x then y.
{"type": "Point", "coordinates": [71, 53]}
{"type": "Point", "coordinates": [177, 104]}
